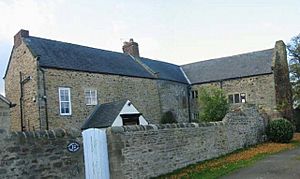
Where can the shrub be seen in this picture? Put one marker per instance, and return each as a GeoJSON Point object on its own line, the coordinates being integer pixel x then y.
{"type": "Point", "coordinates": [280, 130]}
{"type": "Point", "coordinates": [168, 117]}
{"type": "Point", "coordinates": [213, 104]}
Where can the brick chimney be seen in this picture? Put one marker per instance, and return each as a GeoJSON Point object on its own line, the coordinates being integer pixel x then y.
{"type": "Point", "coordinates": [131, 48]}
{"type": "Point", "coordinates": [18, 37]}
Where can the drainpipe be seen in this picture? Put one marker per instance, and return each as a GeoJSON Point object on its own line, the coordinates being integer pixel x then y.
{"type": "Point", "coordinates": [221, 84]}
{"type": "Point", "coordinates": [22, 82]}
{"type": "Point", "coordinates": [45, 98]}
{"type": "Point", "coordinates": [189, 102]}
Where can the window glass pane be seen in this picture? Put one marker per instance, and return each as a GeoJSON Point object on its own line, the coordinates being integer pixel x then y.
{"type": "Point", "coordinates": [64, 95]}
{"type": "Point", "coordinates": [236, 98]}
{"type": "Point", "coordinates": [65, 101]}
{"type": "Point", "coordinates": [90, 97]}
{"type": "Point", "coordinates": [65, 107]}
{"type": "Point", "coordinates": [230, 98]}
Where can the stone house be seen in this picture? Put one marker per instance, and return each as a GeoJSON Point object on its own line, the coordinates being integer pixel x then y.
{"type": "Point", "coordinates": [5, 104]}
{"type": "Point", "coordinates": [57, 84]}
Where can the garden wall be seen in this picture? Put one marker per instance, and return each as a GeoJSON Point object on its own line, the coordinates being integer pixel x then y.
{"type": "Point", "coordinates": [148, 151]}
{"type": "Point", "coordinates": [41, 154]}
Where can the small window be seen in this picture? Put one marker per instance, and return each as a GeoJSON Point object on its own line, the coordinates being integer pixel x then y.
{"type": "Point", "coordinates": [65, 101]}
{"type": "Point", "coordinates": [195, 116]}
{"type": "Point", "coordinates": [236, 98]}
{"type": "Point", "coordinates": [194, 94]}
{"type": "Point", "coordinates": [90, 97]}
{"type": "Point", "coordinates": [230, 98]}
{"type": "Point", "coordinates": [130, 119]}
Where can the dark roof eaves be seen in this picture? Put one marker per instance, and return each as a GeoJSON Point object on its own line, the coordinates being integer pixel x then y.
{"type": "Point", "coordinates": [106, 73]}
{"type": "Point", "coordinates": [234, 78]}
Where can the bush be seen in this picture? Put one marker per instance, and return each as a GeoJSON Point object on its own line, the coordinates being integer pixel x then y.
{"type": "Point", "coordinates": [280, 130]}
{"type": "Point", "coordinates": [213, 104]}
{"type": "Point", "coordinates": [168, 117]}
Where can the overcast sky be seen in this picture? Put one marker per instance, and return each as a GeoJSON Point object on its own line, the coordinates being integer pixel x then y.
{"type": "Point", "coordinates": [174, 31]}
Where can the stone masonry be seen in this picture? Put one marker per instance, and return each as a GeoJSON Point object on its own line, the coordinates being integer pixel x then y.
{"type": "Point", "coordinates": [149, 151]}
{"type": "Point", "coordinates": [259, 90]}
{"type": "Point", "coordinates": [40, 154]}
{"type": "Point", "coordinates": [283, 86]}
{"type": "Point", "coordinates": [24, 62]}
{"type": "Point", "coordinates": [143, 93]}
{"type": "Point", "coordinates": [4, 115]}
{"type": "Point", "coordinates": [175, 94]}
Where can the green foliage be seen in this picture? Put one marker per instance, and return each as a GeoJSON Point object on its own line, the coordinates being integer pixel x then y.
{"type": "Point", "coordinates": [294, 67]}
{"type": "Point", "coordinates": [213, 104]}
{"type": "Point", "coordinates": [280, 130]}
{"type": "Point", "coordinates": [168, 117]}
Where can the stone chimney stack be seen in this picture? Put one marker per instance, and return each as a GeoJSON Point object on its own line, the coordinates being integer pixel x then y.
{"type": "Point", "coordinates": [131, 48]}
{"type": "Point", "coordinates": [18, 37]}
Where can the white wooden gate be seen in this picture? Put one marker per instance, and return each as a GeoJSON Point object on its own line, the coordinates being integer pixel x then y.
{"type": "Point", "coordinates": [95, 154]}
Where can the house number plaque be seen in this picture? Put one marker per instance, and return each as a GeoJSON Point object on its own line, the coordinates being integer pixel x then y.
{"type": "Point", "coordinates": [73, 147]}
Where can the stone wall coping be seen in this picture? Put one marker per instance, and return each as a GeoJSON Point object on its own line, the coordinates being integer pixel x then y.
{"type": "Point", "coordinates": [44, 134]}
{"type": "Point", "coordinates": [157, 127]}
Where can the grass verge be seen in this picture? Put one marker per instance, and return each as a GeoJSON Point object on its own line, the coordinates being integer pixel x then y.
{"type": "Point", "coordinates": [226, 164]}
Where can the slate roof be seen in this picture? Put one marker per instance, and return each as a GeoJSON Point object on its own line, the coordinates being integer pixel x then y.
{"type": "Point", "coordinates": [104, 115]}
{"type": "Point", "coordinates": [62, 55]}
{"type": "Point", "coordinates": [165, 70]}
{"type": "Point", "coordinates": [243, 65]}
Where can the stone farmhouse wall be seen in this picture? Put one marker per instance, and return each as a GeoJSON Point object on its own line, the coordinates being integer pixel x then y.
{"type": "Point", "coordinates": [260, 90]}
{"type": "Point", "coordinates": [41, 154]}
{"type": "Point", "coordinates": [4, 115]}
{"type": "Point", "coordinates": [143, 93]}
{"type": "Point", "coordinates": [149, 151]}
{"type": "Point", "coordinates": [174, 97]}
{"type": "Point", "coordinates": [23, 61]}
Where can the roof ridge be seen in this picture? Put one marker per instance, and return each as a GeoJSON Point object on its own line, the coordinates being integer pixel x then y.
{"type": "Point", "coordinates": [220, 58]}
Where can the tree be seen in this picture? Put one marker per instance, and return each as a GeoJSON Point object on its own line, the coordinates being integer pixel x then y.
{"type": "Point", "coordinates": [294, 55]}
{"type": "Point", "coordinates": [213, 104]}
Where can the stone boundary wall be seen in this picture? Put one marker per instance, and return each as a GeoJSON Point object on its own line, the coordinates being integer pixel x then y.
{"type": "Point", "coordinates": [40, 154]}
{"type": "Point", "coordinates": [153, 150]}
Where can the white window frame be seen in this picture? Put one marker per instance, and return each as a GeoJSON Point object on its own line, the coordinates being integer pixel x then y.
{"type": "Point", "coordinates": [60, 101]}
{"type": "Point", "coordinates": [240, 98]}
{"type": "Point", "coordinates": [93, 101]}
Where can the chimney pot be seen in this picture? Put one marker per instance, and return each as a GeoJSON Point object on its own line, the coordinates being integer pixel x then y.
{"type": "Point", "coordinates": [18, 37]}
{"type": "Point", "coordinates": [131, 48]}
